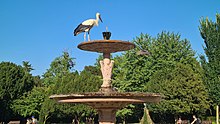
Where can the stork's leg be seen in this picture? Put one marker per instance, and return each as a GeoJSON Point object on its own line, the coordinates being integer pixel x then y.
{"type": "Point", "coordinates": [85, 36]}
{"type": "Point", "coordinates": [88, 36]}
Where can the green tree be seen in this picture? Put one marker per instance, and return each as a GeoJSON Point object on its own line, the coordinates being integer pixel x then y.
{"type": "Point", "coordinates": [85, 82]}
{"type": "Point", "coordinates": [210, 32]}
{"type": "Point", "coordinates": [183, 90]}
{"type": "Point", "coordinates": [71, 83]}
{"type": "Point", "coordinates": [14, 81]}
{"type": "Point", "coordinates": [95, 70]}
{"type": "Point", "coordinates": [165, 50]}
{"type": "Point", "coordinates": [30, 103]}
{"type": "Point", "coordinates": [61, 66]}
{"type": "Point", "coordinates": [125, 113]}
{"type": "Point", "coordinates": [48, 108]}
{"type": "Point", "coordinates": [134, 71]}
{"type": "Point", "coordinates": [61, 80]}
{"type": "Point", "coordinates": [54, 78]}
{"type": "Point", "coordinates": [27, 66]}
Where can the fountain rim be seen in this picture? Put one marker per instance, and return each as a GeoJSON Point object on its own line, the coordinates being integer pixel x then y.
{"type": "Point", "coordinates": [108, 95]}
{"type": "Point", "coordinates": [106, 46]}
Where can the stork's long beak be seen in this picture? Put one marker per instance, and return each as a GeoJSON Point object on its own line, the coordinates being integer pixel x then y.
{"type": "Point", "coordinates": [100, 19]}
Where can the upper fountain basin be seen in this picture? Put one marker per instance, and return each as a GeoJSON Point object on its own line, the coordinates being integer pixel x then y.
{"type": "Point", "coordinates": [106, 46]}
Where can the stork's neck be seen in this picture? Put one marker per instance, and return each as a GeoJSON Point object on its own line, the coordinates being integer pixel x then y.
{"type": "Point", "coordinates": [97, 21]}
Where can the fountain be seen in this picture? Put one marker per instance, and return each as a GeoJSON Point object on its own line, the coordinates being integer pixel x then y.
{"type": "Point", "coordinates": [107, 101]}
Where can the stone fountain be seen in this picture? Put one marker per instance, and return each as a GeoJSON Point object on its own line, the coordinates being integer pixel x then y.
{"type": "Point", "coordinates": [107, 101]}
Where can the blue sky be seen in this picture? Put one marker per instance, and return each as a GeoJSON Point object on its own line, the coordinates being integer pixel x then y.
{"type": "Point", "coordinates": [38, 31]}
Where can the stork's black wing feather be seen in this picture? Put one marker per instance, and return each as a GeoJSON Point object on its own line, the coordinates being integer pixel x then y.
{"type": "Point", "coordinates": [81, 28]}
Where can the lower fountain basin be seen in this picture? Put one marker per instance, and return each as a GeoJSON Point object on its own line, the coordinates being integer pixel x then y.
{"type": "Point", "coordinates": [116, 100]}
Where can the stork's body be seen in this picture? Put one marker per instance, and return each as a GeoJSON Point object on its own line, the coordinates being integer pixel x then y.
{"type": "Point", "coordinates": [87, 25]}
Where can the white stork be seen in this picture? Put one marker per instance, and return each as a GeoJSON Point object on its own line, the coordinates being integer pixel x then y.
{"type": "Point", "coordinates": [87, 25]}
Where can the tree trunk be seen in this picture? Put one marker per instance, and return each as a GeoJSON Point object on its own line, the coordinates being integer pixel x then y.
{"type": "Point", "coordinates": [75, 120]}
{"type": "Point", "coordinates": [45, 119]}
{"type": "Point", "coordinates": [217, 114]}
{"type": "Point", "coordinates": [89, 120]}
{"type": "Point", "coordinates": [124, 120]}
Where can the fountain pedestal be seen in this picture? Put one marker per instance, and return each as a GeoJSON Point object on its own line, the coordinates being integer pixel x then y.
{"type": "Point", "coordinates": [106, 69]}
{"type": "Point", "coordinates": [107, 101]}
{"type": "Point", "coordinates": [107, 116]}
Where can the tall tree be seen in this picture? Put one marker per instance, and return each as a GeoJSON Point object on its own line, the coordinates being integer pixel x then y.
{"type": "Point", "coordinates": [61, 80]}
{"type": "Point", "coordinates": [30, 103]}
{"type": "Point", "coordinates": [134, 71]}
{"type": "Point", "coordinates": [85, 82]}
{"type": "Point", "coordinates": [71, 83]}
{"type": "Point", "coordinates": [27, 66]}
{"type": "Point", "coordinates": [61, 66]}
{"type": "Point", "coordinates": [183, 90]}
{"type": "Point", "coordinates": [210, 32]}
{"type": "Point", "coordinates": [14, 81]}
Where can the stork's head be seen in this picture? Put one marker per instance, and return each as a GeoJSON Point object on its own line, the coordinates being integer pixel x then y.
{"type": "Point", "coordinates": [98, 16]}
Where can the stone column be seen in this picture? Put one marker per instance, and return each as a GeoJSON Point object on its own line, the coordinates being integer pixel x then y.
{"type": "Point", "coordinates": [106, 69]}
{"type": "Point", "coordinates": [107, 116]}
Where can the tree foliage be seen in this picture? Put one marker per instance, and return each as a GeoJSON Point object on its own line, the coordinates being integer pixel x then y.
{"type": "Point", "coordinates": [134, 71]}
{"type": "Point", "coordinates": [61, 66]}
{"type": "Point", "coordinates": [27, 66]}
{"type": "Point", "coordinates": [183, 90]}
{"type": "Point", "coordinates": [14, 81]}
{"type": "Point", "coordinates": [167, 52]}
{"type": "Point", "coordinates": [71, 83]}
{"type": "Point", "coordinates": [64, 81]}
{"type": "Point", "coordinates": [30, 103]}
{"type": "Point", "coordinates": [210, 32]}
{"type": "Point", "coordinates": [125, 113]}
